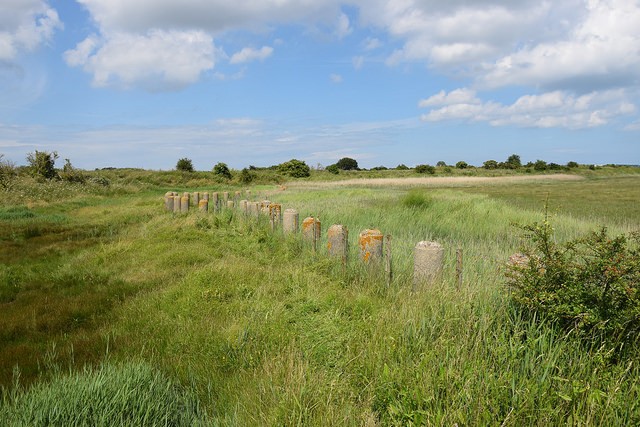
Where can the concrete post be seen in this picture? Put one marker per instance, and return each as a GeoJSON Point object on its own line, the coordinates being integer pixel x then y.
{"type": "Point", "coordinates": [264, 207]}
{"type": "Point", "coordinates": [168, 201]}
{"type": "Point", "coordinates": [184, 204]}
{"type": "Point", "coordinates": [427, 263]}
{"type": "Point", "coordinates": [371, 243]}
{"type": "Point", "coordinates": [196, 199]}
{"type": "Point", "coordinates": [338, 241]}
{"type": "Point", "coordinates": [311, 228]}
{"type": "Point", "coordinates": [275, 215]}
{"type": "Point", "coordinates": [176, 204]}
{"type": "Point", "coordinates": [205, 196]}
{"type": "Point", "coordinates": [203, 205]}
{"type": "Point", "coordinates": [225, 196]}
{"type": "Point", "coordinates": [244, 207]}
{"type": "Point", "coordinates": [230, 204]}
{"type": "Point", "coordinates": [290, 221]}
{"type": "Point", "coordinates": [248, 193]}
{"type": "Point", "coordinates": [254, 208]}
{"type": "Point", "coordinates": [215, 201]}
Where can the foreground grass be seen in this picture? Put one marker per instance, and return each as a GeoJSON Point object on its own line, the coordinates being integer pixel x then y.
{"type": "Point", "coordinates": [264, 332]}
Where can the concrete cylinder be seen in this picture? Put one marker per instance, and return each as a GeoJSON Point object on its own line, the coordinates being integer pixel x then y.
{"type": "Point", "coordinates": [168, 201]}
{"type": "Point", "coordinates": [215, 201]}
{"type": "Point", "coordinates": [236, 195]}
{"type": "Point", "coordinates": [264, 207]}
{"type": "Point", "coordinates": [203, 205]}
{"type": "Point", "coordinates": [230, 204]}
{"type": "Point", "coordinates": [184, 204]}
{"type": "Point", "coordinates": [427, 262]}
{"type": "Point", "coordinates": [205, 196]}
{"type": "Point", "coordinates": [371, 243]}
{"type": "Point", "coordinates": [248, 193]}
{"type": "Point", "coordinates": [275, 212]}
{"type": "Point", "coordinates": [290, 221]}
{"type": "Point", "coordinates": [176, 204]}
{"type": "Point", "coordinates": [244, 206]}
{"type": "Point", "coordinates": [225, 196]}
{"type": "Point", "coordinates": [338, 241]}
{"type": "Point", "coordinates": [308, 228]}
{"type": "Point", "coordinates": [196, 199]}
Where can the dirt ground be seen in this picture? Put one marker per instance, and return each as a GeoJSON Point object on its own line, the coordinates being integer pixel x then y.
{"type": "Point", "coordinates": [435, 181]}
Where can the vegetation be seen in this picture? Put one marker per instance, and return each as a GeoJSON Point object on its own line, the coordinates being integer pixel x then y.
{"type": "Point", "coordinates": [238, 325]}
{"type": "Point", "coordinates": [42, 164]}
{"type": "Point", "coordinates": [462, 165]}
{"type": "Point", "coordinates": [425, 169]}
{"type": "Point", "coordinates": [347, 164]}
{"type": "Point", "coordinates": [295, 169]}
{"type": "Point", "coordinates": [222, 170]}
{"type": "Point", "coordinates": [184, 165]}
{"type": "Point", "coordinates": [7, 173]}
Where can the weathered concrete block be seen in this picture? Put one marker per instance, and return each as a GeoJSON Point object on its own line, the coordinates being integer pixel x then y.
{"type": "Point", "coordinates": [244, 207]}
{"type": "Point", "coordinates": [311, 228]}
{"type": "Point", "coordinates": [215, 201]}
{"type": "Point", "coordinates": [427, 262]}
{"type": "Point", "coordinates": [203, 205]}
{"type": "Point", "coordinates": [290, 221]}
{"type": "Point", "coordinates": [230, 204]}
{"type": "Point", "coordinates": [196, 199]}
{"type": "Point", "coordinates": [205, 196]}
{"type": "Point", "coordinates": [168, 201]}
{"type": "Point", "coordinates": [264, 207]}
{"type": "Point", "coordinates": [225, 196]}
{"type": "Point", "coordinates": [371, 244]}
{"type": "Point", "coordinates": [184, 204]}
{"type": "Point", "coordinates": [338, 241]}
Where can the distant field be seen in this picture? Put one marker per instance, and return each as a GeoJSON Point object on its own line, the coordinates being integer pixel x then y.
{"type": "Point", "coordinates": [256, 329]}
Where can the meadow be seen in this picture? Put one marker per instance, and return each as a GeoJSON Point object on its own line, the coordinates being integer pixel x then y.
{"type": "Point", "coordinates": [222, 321]}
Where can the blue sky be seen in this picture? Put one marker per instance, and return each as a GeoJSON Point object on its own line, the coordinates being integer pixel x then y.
{"type": "Point", "coordinates": [257, 82]}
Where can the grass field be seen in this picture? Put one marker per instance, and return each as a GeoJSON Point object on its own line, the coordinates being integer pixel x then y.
{"type": "Point", "coordinates": [229, 323]}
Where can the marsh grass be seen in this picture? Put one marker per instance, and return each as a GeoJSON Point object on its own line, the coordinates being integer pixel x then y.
{"type": "Point", "coordinates": [263, 331]}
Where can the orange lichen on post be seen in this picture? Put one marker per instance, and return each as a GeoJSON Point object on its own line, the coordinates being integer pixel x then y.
{"type": "Point", "coordinates": [308, 228]}
{"type": "Point", "coordinates": [371, 243]}
{"type": "Point", "coordinates": [337, 237]}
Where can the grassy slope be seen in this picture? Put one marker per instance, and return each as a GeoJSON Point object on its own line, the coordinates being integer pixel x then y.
{"type": "Point", "coordinates": [267, 333]}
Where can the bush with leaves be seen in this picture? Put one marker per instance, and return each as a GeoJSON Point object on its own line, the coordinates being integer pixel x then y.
{"type": "Point", "coordinates": [490, 164]}
{"type": "Point", "coordinates": [347, 164]}
{"type": "Point", "coordinates": [8, 173]}
{"type": "Point", "coordinates": [462, 164]}
{"type": "Point", "coordinates": [334, 169]}
{"type": "Point", "coordinates": [425, 169]}
{"type": "Point", "coordinates": [71, 174]}
{"type": "Point", "coordinates": [246, 177]}
{"type": "Point", "coordinates": [43, 164]}
{"type": "Point", "coordinates": [222, 170]}
{"type": "Point", "coordinates": [294, 168]}
{"type": "Point", "coordinates": [590, 285]}
{"type": "Point", "coordinates": [184, 165]}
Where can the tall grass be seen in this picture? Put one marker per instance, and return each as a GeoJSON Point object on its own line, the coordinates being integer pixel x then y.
{"type": "Point", "coordinates": [263, 331]}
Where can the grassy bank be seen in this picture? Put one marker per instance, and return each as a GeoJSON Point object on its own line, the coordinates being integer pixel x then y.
{"type": "Point", "coordinates": [262, 331]}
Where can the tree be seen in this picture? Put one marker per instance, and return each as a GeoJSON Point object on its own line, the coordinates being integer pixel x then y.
{"type": "Point", "coordinates": [402, 167]}
{"type": "Point", "coordinates": [490, 164]}
{"type": "Point", "coordinates": [513, 162]}
{"type": "Point", "coordinates": [42, 164]}
{"type": "Point", "coordinates": [572, 165]}
{"type": "Point", "coordinates": [222, 170]}
{"type": "Point", "coordinates": [540, 165]}
{"type": "Point", "coordinates": [334, 169]}
{"type": "Point", "coordinates": [462, 164]}
{"type": "Point", "coordinates": [347, 164]}
{"type": "Point", "coordinates": [441, 164]}
{"type": "Point", "coordinates": [7, 173]}
{"type": "Point", "coordinates": [294, 168]}
{"type": "Point", "coordinates": [246, 177]}
{"type": "Point", "coordinates": [425, 169]}
{"type": "Point", "coordinates": [71, 174]}
{"type": "Point", "coordinates": [184, 165]}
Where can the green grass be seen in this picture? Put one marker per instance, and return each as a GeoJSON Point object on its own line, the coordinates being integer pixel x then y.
{"type": "Point", "coordinates": [261, 331]}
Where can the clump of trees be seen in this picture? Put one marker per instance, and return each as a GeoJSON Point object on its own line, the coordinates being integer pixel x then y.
{"type": "Point", "coordinates": [222, 170]}
{"type": "Point", "coordinates": [294, 168]}
{"type": "Point", "coordinates": [425, 169]}
{"type": "Point", "coordinates": [42, 164]}
{"type": "Point", "coordinates": [184, 165]}
{"type": "Point", "coordinates": [347, 164]}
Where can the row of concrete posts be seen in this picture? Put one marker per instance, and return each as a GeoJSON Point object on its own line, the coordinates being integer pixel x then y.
{"type": "Point", "coordinates": [428, 256]}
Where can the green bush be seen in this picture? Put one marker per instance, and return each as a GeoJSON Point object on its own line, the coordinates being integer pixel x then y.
{"type": "Point", "coordinates": [490, 164]}
{"type": "Point", "coordinates": [334, 169]}
{"type": "Point", "coordinates": [184, 165]}
{"type": "Point", "coordinates": [71, 174]}
{"type": "Point", "coordinates": [294, 168]}
{"type": "Point", "coordinates": [246, 177]}
{"type": "Point", "coordinates": [42, 164]}
{"type": "Point", "coordinates": [462, 165]}
{"type": "Point", "coordinates": [222, 170]}
{"type": "Point", "coordinates": [402, 167]}
{"type": "Point", "coordinates": [590, 285]}
{"type": "Point", "coordinates": [425, 169]}
{"type": "Point", "coordinates": [347, 164]}
{"type": "Point", "coordinates": [8, 173]}
{"type": "Point", "coordinates": [540, 165]}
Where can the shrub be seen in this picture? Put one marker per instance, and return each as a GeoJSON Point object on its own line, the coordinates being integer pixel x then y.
{"type": "Point", "coordinates": [590, 285]}
{"type": "Point", "coordinates": [425, 169]}
{"type": "Point", "coordinates": [71, 174]}
{"type": "Point", "coordinates": [246, 177]}
{"type": "Point", "coordinates": [334, 169]}
{"type": "Point", "coordinates": [294, 168]}
{"type": "Point", "coordinates": [572, 165]}
{"type": "Point", "coordinates": [184, 165]}
{"type": "Point", "coordinates": [7, 173]}
{"type": "Point", "coordinates": [402, 167]}
{"type": "Point", "coordinates": [462, 165]}
{"type": "Point", "coordinates": [490, 164]}
{"type": "Point", "coordinates": [222, 170]}
{"type": "Point", "coordinates": [441, 164]}
{"type": "Point", "coordinates": [416, 199]}
{"type": "Point", "coordinates": [540, 165]}
{"type": "Point", "coordinates": [513, 162]}
{"type": "Point", "coordinates": [42, 164]}
{"type": "Point", "coordinates": [380, 168]}
{"type": "Point", "coordinates": [347, 164]}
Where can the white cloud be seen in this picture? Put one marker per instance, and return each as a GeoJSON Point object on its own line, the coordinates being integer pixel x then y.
{"type": "Point", "coordinates": [336, 78]}
{"type": "Point", "coordinates": [343, 27]}
{"type": "Point", "coordinates": [372, 44]}
{"type": "Point", "coordinates": [249, 54]}
{"type": "Point", "coordinates": [25, 25]}
{"type": "Point", "coordinates": [551, 109]}
{"type": "Point", "coordinates": [158, 60]}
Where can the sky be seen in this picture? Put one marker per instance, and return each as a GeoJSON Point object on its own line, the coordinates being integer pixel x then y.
{"type": "Point", "coordinates": [122, 83]}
